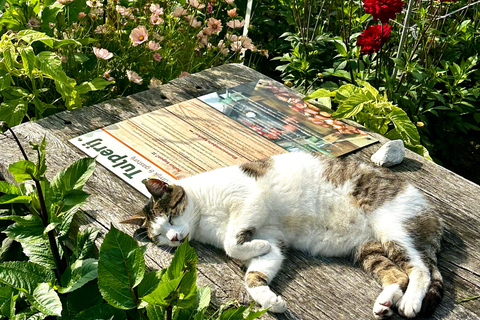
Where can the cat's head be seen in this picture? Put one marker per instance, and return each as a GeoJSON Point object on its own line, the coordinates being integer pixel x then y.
{"type": "Point", "coordinates": [163, 215]}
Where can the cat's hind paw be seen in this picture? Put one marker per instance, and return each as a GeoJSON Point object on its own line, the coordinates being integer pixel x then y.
{"type": "Point", "coordinates": [268, 299]}
{"type": "Point", "coordinates": [390, 295]}
{"type": "Point", "coordinates": [409, 306]}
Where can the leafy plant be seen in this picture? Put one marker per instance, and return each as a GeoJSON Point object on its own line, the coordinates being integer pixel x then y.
{"type": "Point", "coordinates": [53, 279]}
{"type": "Point", "coordinates": [366, 106]}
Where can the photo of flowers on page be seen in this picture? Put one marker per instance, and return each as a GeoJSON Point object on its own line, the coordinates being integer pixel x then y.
{"type": "Point", "coordinates": [280, 115]}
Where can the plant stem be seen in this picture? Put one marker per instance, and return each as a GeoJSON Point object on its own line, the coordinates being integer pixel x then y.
{"type": "Point", "coordinates": [59, 266]}
{"type": "Point", "coordinates": [169, 314]}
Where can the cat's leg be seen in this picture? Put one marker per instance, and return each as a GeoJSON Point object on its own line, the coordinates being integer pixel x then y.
{"type": "Point", "coordinates": [260, 272]}
{"type": "Point", "coordinates": [239, 244]}
{"type": "Point", "coordinates": [411, 261]}
{"type": "Point", "coordinates": [373, 258]}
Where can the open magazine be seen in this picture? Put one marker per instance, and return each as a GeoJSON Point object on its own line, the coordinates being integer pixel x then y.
{"type": "Point", "coordinates": [248, 122]}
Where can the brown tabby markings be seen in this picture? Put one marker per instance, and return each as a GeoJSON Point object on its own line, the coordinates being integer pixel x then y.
{"type": "Point", "coordinates": [171, 204]}
{"type": "Point", "coordinates": [256, 169]}
{"type": "Point", "coordinates": [375, 260]}
{"type": "Point", "coordinates": [256, 279]}
{"type": "Point", "coordinates": [372, 187]}
{"type": "Point", "coordinates": [245, 235]}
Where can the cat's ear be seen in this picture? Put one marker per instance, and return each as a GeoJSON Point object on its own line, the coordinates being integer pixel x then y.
{"type": "Point", "coordinates": [138, 220]}
{"type": "Point", "coordinates": [156, 187]}
{"type": "Point", "coordinates": [178, 199]}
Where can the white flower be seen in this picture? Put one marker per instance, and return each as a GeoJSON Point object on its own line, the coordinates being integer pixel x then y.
{"type": "Point", "coordinates": [102, 53]}
{"type": "Point", "coordinates": [134, 77]}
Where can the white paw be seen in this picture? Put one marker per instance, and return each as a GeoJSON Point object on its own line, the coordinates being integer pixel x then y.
{"type": "Point", "coordinates": [268, 299]}
{"type": "Point", "coordinates": [381, 310]}
{"type": "Point", "coordinates": [410, 305]}
{"type": "Point", "coordinates": [389, 297]}
{"type": "Point", "coordinates": [276, 305]}
{"type": "Point", "coordinates": [261, 247]}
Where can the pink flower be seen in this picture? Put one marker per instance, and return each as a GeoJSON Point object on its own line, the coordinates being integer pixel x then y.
{"type": "Point", "coordinates": [232, 13]}
{"type": "Point", "coordinates": [236, 23]}
{"type": "Point", "coordinates": [236, 46]}
{"type": "Point", "coordinates": [213, 26]}
{"type": "Point", "coordinates": [155, 9]}
{"type": "Point", "coordinates": [101, 29]}
{"type": "Point", "coordinates": [155, 19]}
{"type": "Point", "coordinates": [196, 4]}
{"type": "Point", "coordinates": [183, 74]}
{"type": "Point", "coordinates": [81, 15]}
{"type": "Point", "coordinates": [229, 1]}
{"type": "Point", "coordinates": [134, 77]}
{"type": "Point", "coordinates": [202, 39]}
{"type": "Point", "coordinates": [102, 53]}
{"type": "Point", "coordinates": [223, 49]}
{"type": "Point", "coordinates": [209, 7]}
{"type": "Point", "coordinates": [247, 43]}
{"type": "Point", "coordinates": [64, 1]}
{"type": "Point", "coordinates": [157, 56]}
{"type": "Point", "coordinates": [138, 35]}
{"type": "Point", "coordinates": [152, 45]}
{"type": "Point", "coordinates": [51, 25]}
{"type": "Point", "coordinates": [107, 76]}
{"type": "Point", "coordinates": [179, 12]}
{"type": "Point", "coordinates": [193, 22]}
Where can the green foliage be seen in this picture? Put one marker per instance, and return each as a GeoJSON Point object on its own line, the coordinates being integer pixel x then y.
{"type": "Point", "coordinates": [78, 283]}
{"type": "Point", "coordinates": [366, 106]}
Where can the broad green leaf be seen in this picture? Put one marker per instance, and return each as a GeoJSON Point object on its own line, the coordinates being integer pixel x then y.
{"type": "Point", "coordinates": [404, 126]}
{"type": "Point", "coordinates": [150, 282]}
{"type": "Point", "coordinates": [84, 298]}
{"type": "Point", "coordinates": [85, 243]}
{"type": "Point", "coordinates": [120, 269]}
{"type": "Point", "coordinates": [155, 312]}
{"type": "Point", "coordinates": [254, 314]}
{"type": "Point", "coordinates": [13, 111]}
{"type": "Point", "coordinates": [347, 111]}
{"type": "Point", "coordinates": [24, 275]}
{"type": "Point", "coordinates": [341, 48]}
{"type": "Point", "coordinates": [78, 274]}
{"type": "Point", "coordinates": [233, 314]}
{"type": "Point", "coordinates": [6, 297]}
{"type": "Point", "coordinates": [39, 254]}
{"type": "Point", "coordinates": [66, 221]}
{"type": "Point", "coordinates": [11, 198]}
{"type": "Point", "coordinates": [28, 229]}
{"type": "Point", "coordinates": [23, 170]}
{"type": "Point", "coordinates": [5, 79]}
{"type": "Point", "coordinates": [51, 65]}
{"type": "Point", "coordinates": [345, 92]}
{"type": "Point", "coordinates": [185, 259]}
{"type": "Point", "coordinates": [94, 85]}
{"type": "Point", "coordinates": [28, 59]}
{"type": "Point", "coordinates": [65, 42]}
{"type": "Point", "coordinates": [73, 177]}
{"type": "Point", "coordinates": [320, 93]}
{"type": "Point", "coordinates": [102, 311]}
{"type": "Point", "coordinates": [372, 93]}
{"type": "Point", "coordinates": [30, 36]}
{"type": "Point", "coordinates": [204, 296]}
{"type": "Point", "coordinates": [47, 300]}
{"type": "Point", "coordinates": [165, 289]}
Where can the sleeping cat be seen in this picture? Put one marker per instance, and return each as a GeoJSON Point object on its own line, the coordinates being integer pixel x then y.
{"type": "Point", "coordinates": [319, 205]}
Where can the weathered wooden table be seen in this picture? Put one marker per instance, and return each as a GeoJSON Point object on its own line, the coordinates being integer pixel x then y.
{"type": "Point", "coordinates": [314, 288]}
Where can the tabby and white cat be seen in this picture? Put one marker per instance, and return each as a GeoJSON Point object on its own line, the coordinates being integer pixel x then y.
{"type": "Point", "coordinates": [319, 205]}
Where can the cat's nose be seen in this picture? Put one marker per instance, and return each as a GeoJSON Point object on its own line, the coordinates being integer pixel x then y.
{"type": "Point", "coordinates": [175, 237]}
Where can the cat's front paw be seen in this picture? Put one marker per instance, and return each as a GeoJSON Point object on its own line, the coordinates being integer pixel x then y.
{"type": "Point", "coordinates": [410, 305]}
{"type": "Point", "coordinates": [381, 310]}
{"type": "Point", "coordinates": [261, 247]}
{"type": "Point", "coordinates": [390, 295]}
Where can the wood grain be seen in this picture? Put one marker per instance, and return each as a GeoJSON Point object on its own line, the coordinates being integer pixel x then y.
{"type": "Point", "coordinates": [314, 288]}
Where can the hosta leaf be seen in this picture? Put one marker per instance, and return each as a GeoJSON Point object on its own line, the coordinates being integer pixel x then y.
{"type": "Point", "coordinates": [24, 275]}
{"type": "Point", "coordinates": [120, 268]}
{"type": "Point", "coordinates": [46, 300]}
{"type": "Point", "coordinates": [73, 177]}
{"type": "Point", "coordinates": [78, 274]}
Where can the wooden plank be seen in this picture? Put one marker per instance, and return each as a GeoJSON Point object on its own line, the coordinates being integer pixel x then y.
{"type": "Point", "coordinates": [315, 288]}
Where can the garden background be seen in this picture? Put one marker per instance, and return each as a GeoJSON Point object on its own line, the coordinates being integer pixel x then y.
{"type": "Point", "coordinates": [406, 70]}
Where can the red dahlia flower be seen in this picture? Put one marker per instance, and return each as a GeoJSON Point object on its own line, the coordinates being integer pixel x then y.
{"type": "Point", "coordinates": [372, 39]}
{"type": "Point", "coordinates": [383, 9]}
